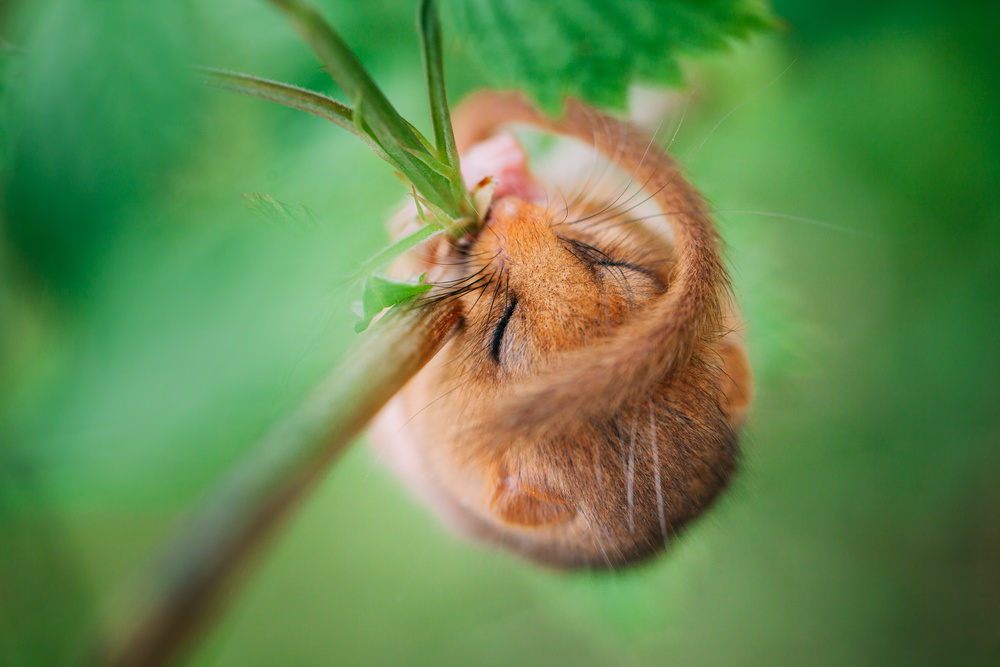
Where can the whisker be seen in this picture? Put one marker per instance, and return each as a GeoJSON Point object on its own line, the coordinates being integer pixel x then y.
{"type": "Point", "coordinates": [781, 216]}
{"type": "Point", "coordinates": [630, 482]}
{"type": "Point", "coordinates": [489, 314]}
{"type": "Point", "coordinates": [735, 108]}
{"type": "Point", "coordinates": [682, 165]}
{"type": "Point", "coordinates": [656, 475]}
{"type": "Point", "coordinates": [681, 121]}
{"type": "Point", "coordinates": [599, 539]}
{"type": "Point", "coordinates": [809, 221]}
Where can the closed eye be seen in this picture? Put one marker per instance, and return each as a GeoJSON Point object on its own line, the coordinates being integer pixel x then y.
{"type": "Point", "coordinates": [628, 265]}
{"type": "Point", "coordinates": [501, 328]}
{"type": "Point", "coordinates": [594, 257]}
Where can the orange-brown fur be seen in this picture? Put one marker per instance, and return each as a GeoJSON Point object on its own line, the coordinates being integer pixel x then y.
{"type": "Point", "coordinates": [589, 402]}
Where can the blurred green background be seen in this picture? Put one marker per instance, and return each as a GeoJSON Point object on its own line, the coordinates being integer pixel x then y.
{"type": "Point", "coordinates": [151, 327]}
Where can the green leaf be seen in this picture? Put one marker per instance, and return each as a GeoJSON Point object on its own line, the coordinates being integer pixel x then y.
{"type": "Point", "coordinates": [279, 212]}
{"type": "Point", "coordinates": [294, 97]}
{"type": "Point", "coordinates": [432, 163]}
{"type": "Point", "coordinates": [381, 293]}
{"type": "Point", "coordinates": [594, 49]}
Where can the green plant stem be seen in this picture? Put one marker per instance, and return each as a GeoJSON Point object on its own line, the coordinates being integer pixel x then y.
{"type": "Point", "coordinates": [186, 586]}
{"type": "Point", "coordinates": [444, 136]}
{"type": "Point", "coordinates": [289, 96]}
{"type": "Point", "coordinates": [372, 110]}
{"type": "Point", "coordinates": [408, 242]}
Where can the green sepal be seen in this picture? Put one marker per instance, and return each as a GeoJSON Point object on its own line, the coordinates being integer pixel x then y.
{"type": "Point", "coordinates": [380, 293]}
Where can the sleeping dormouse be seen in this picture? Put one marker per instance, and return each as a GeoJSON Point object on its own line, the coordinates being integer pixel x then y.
{"type": "Point", "coordinates": [589, 402]}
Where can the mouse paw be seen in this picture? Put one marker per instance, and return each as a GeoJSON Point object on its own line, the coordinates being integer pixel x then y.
{"type": "Point", "coordinates": [502, 158]}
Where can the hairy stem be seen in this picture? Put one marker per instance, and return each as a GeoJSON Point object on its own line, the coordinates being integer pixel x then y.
{"type": "Point", "coordinates": [372, 111]}
{"type": "Point", "coordinates": [187, 585]}
{"type": "Point", "coordinates": [444, 136]}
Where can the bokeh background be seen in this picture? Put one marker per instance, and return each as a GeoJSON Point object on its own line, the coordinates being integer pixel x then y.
{"type": "Point", "coordinates": [151, 326]}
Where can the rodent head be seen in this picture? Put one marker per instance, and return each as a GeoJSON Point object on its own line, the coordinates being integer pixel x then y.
{"type": "Point", "coordinates": [550, 286]}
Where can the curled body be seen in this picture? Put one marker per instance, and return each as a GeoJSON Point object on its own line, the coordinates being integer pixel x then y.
{"type": "Point", "coordinates": [589, 402]}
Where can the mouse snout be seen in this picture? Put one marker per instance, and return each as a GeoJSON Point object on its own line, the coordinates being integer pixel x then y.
{"type": "Point", "coordinates": [515, 227]}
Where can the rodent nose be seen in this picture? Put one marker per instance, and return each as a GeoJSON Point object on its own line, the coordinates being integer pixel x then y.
{"type": "Point", "coordinates": [506, 214]}
{"type": "Point", "coordinates": [511, 213]}
{"type": "Point", "coordinates": [517, 230]}
{"type": "Point", "coordinates": [514, 228]}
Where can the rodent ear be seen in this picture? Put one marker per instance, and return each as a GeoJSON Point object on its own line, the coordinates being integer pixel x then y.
{"type": "Point", "coordinates": [737, 382]}
{"type": "Point", "coordinates": [520, 502]}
